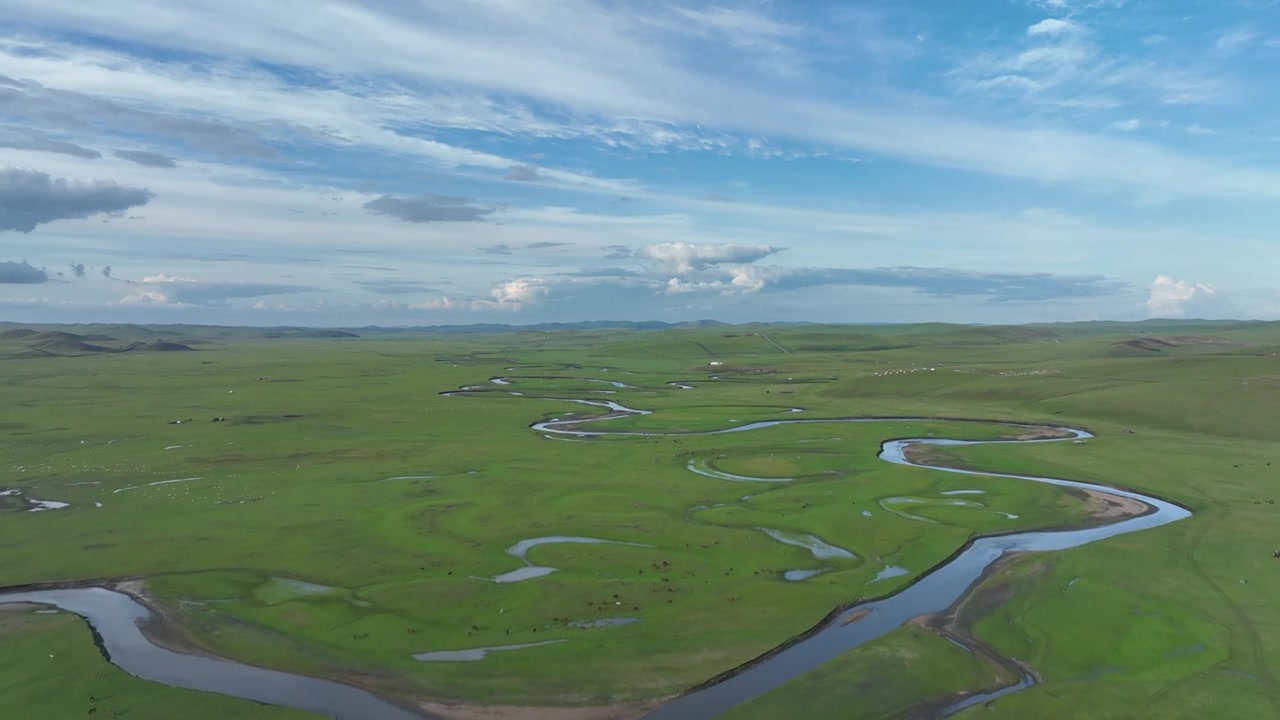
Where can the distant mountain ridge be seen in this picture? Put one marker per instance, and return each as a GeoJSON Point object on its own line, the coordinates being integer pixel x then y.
{"type": "Point", "coordinates": [16, 331]}
{"type": "Point", "coordinates": [40, 339]}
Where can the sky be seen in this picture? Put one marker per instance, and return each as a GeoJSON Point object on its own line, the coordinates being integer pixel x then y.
{"type": "Point", "coordinates": [426, 162]}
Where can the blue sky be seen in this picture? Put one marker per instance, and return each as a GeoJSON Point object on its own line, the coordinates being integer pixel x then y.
{"type": "Point", "coordinates": [421, 162]}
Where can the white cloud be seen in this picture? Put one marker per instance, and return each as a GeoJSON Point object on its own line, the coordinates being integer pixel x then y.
{"type": "Point", "coordinates": [1076, 6]}
{"type": "Point", "coordinates": [517, 292]}
{"type": "Point", "coordinates": [741, 26]}
{"type": "Point", "coordinates": [682, 258]}
{"type": "Point", "coordinates": [441, 303]}
{"type": "Point", "coordinates": [1061, 66]}
{"type": "Point", "coordinates": [62, 83]}
{"type": "Point", "coordinates": [585, 72]}
{"type": "Point", "coordinates": [1054, 26]}
{"type": "Point", "coordinates": [511, 295]}
{"type": "Point", "coordinates": [1170, 298]}
{"type": "Point", "coordinates": [1197, 129]}
{"type": "Point", "coordinates": [728, 280]}
{"type": "Point", "coordinates": [1235, 41]}
{"type": "Point", "coordinates": [146, 297]}
{"type": "Point", "coordinates": [163, 278]}
{"type": "Point", "coordinates": [443, 99]}
{"type": "Point", "coordinates": [165, 289]}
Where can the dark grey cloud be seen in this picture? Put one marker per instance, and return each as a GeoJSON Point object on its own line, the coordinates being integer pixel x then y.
{"type": "Point", "coordinates": [106, 271]}
{"type": "Point", "coordinates": [146, 159]}
{"type": "Point", "coordinates": [21, 138]}
{"type": "Point", "coordinates": [941, 282]}
{"type": "Point", "coordinates": [715, 197]}
{"type": "Point", "coordinates": [395, 287]}
{"type": "Point", "coordinates": [21, 273]}
{"type": "Point", "coordinates": [504, 249]}
{"type": "Point", "coordinates": [523, 173]}
{"type": "Point", "coordinates": [34, 104]}
{"type": "Point", "coordinates": [77, 269]}
{"type": "Point", "coordinates": [618, 252]}
{"type": "Point", "coordinates": [29, 198]}
{"type": "Point", "coordinates": [428, 208]}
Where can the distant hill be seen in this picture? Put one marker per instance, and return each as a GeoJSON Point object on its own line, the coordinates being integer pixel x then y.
{"type": "Point", "coordinates": [34, 340]}
{"type": "Point", "coordinates": [496, 328]}
{"type": "Point", "coordinates": [1150, 344]}
{"type": "Point", "coordinates": [194, 334]}
{"type": "Point", "coordinates": [301, 332]}
{"type": "Point", "coordinates": [55, 335]}
{"type": "Point", "coordinates": [72, 345]}
{"type": "Point", "coordinates": [27, 342]}
{"type": "Point", "coordinates": [163, 347]}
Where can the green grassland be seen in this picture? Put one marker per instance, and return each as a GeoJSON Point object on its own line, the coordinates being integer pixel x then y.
{"type": "Point", "coordinates": [345, 515]}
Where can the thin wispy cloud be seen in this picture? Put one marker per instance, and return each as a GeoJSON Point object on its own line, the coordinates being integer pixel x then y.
{"type": "Point", "coordinates": [25, 138]}
{"type": "Point", "coordinates": [522, 173]}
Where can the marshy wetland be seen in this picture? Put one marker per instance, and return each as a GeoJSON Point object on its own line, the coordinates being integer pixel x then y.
{"type": "Point", "coordinates": [911, 544]}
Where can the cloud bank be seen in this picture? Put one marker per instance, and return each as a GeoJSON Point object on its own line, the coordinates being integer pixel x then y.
{"type": "Point", "coordinates": [21, 273]}
{"type": "Point", "coordinates": [29, 198]}
{"type": "Point", "coordinates": [146, 159]}
{"type": "Point", "coordinates": [172, 290]}
{"type": "Point", "coordinates": [683, 258]}
{"type": "Point", "coordinates": [429, 208]}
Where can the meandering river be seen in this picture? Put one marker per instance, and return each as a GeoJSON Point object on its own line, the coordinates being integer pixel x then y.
{"type": "Point", "coordinates": [116, 617]}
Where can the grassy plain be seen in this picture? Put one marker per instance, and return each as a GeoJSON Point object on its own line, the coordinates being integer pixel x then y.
{"type": "Point", "coordinates": [340, 465]}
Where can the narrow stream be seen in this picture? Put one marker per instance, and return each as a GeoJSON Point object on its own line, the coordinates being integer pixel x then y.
{"type": "Point", "coordinates": [115, 617]}
{"type": "Point", "coordinates": [521, 551]}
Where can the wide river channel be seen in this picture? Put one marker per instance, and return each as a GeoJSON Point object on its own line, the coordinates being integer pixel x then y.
{"type": "Point", "coordinates": [116, 617]}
